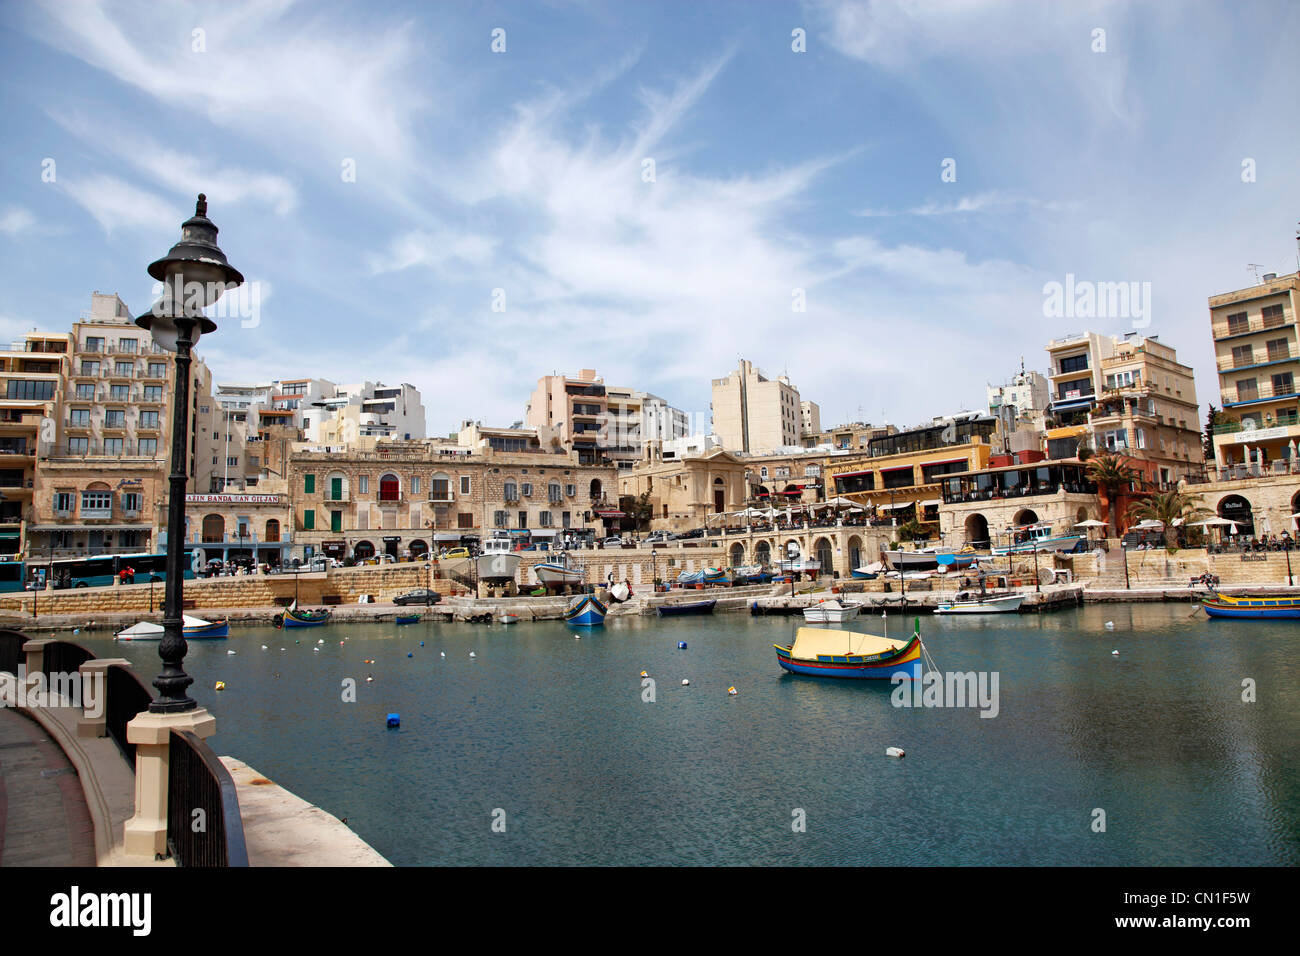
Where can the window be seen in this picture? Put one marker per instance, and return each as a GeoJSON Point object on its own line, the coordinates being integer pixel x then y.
{"type": "Point", "coordinates": [114, 418]}
{"type": "Point", "coordinates": [232, 461]}
{"type": "Point", "coordinates": [159, 370]}
{"type": "Point", "coordinates": [79, 416]}
{"type": "Point", "coordinates": [526, 489]}
{"type": "Point", "coordinates": [124, 369]}
{"type": "Point", "coordinates": [132, 501]}
{"type": "Point", "coordinates": [309, 485]}
{"type": "Point", "coordinates": [89, 368]}
{"type": "Point", "coordinates": [439, 489]}
{"type": "Point", "coordinates": [1283, 384]}
{"type": "Point", "coordinates": [570, 490]}
{"type": "Point", "coordinates": [390, 488]}
{"type": "Point", "coordinates": [113, 446]}
{"type": "Point", "coordinates": [148, 420]}
{"type": "Point", "coordinates": [544, 519]}
{"type": "Point", "coordinates": [415, 485]}
{"type": "Point", "coordinates": [63, 503]}
{"type": "Point", "coordinates": [523, 519]}
{"type": "Point", "coordinates": [309, 516]}
{"type": "Point", "coordinates": [1247, 390]}
{"type": "Point", "coordinates": [510, 491]}
{"type": "Point", "coordinates": [363, 484]}
{"type": "Point", "coordinates": [153, 393]}
{"type": "Point", "coordinates": [86, 392]}
{"type": "Point", "coordinates": [500, 519]}
{"type": "Point", "coordinates": [1272, 315]}
{"type": "Point", "coordinates": [1238, 323]}
{"type": "Point", "coordinates": [553, 493]}
{"type": "Point", "coordinates": [78, 446]}
{"type": "Point", "coordinates": [94, 344]}
{"type": "Point", "coordinates": [128, 345]}
{"type": "Point", "coordinates": [92, 501]}
{"type": "Point", "coordinates": [1116, 439]}
{"type": "Point", "coordinates": [464, 487]}
{"type": "Point", "coordinates": [119, 393]}
{"type": "Point", "coordinates": [1243, 355]}
{"type": "Point", "coordinates": [1074, 363]}
{"type": "Point", "coordinates": [1278, 349]}
{"type": "Point", "coordinates": [31, 391]}
{"type": "Point", "coordinates": [149, 447]}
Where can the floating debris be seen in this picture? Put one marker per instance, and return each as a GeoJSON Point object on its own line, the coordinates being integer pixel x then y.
{"type": "Point", "coordinates": [895, 752]}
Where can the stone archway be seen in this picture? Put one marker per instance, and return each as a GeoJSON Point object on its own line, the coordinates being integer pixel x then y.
{"type": "Point", "coordinates": [737, 554]}
{"type": "Point", "coordinates": [1238, 510]}
{"type": "Point", "coordinates": [825, 555]}
{"type": "Point", "coordinates": [977, 531]}
{"type": "Point", "coordinates": [855, 552]}
{"type": "Point", "coordinates": [214, 529]}
{"type": "Point", "coordinates": [762, 553]}
{"type": "Point", "coordinates": [363, 550]}
{"type": "Point", "coordinates": [1024, 516]}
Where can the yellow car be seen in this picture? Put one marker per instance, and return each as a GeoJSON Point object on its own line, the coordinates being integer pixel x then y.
{"type": "Point", "coordinates": [456, 553]}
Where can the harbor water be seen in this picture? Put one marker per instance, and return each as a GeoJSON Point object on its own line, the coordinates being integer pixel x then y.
{"type": "Point", "coordinates": [542, 748]}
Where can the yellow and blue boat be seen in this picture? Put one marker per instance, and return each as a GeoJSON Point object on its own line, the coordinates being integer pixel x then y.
{"type": "Point", "coordinates": [195, 628]}
{"type": "Point", "coordinates": [585, 611]}
{"type": "Point", "coordinates": [823, 652]}
{"type": "Point", "coordinates": [1266, 607]}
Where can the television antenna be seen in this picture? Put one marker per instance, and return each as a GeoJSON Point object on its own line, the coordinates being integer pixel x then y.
{"type": "Point", "coordinates": [1254, 267]}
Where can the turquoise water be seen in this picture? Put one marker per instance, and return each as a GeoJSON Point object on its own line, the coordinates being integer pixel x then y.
{"type": "Point", "coordinates": [553, 730]}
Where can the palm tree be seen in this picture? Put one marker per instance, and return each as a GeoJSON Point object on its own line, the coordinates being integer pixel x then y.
{"type": "Point", "coordinates": [1110, 473]}
{"type": "Point", "coordinates": [1168, 507]}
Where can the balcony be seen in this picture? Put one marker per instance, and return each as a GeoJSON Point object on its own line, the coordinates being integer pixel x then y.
{"type": "Point", "coordinates": [1257, 357]}
{"type": "Point", "coordinates": [441, 497]}
{"type": "Point", "coordinates": [1243, 396]}
{"type": "Point", "coordinates": [1226, 330]}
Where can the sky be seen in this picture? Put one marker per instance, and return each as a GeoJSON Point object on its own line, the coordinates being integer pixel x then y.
{"type": "Point", "coordinates": [872, 198]}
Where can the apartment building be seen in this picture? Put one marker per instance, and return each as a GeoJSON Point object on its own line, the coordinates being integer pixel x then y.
{"type": "Point", "coordinates": [1021, 402]}
{"type": "Point", "coordinates": [1257, 353]}
{"type": "Point", "coordinates": [578, 408]}
{"type": "Point", "coordinates": [1074, 375]}
{"type": "Point", "coordinates": [753, 413]}
{"type": "Point", "coordinates": [852, 436]}
{"type": "Point", "coordinates": [810, 418]}
{"type": "Point", "coordinates": [33, 372]}
{"type": "Point", "coordinates": [407, 498]}
{"type": "Point", "coordinates": [370, 410]}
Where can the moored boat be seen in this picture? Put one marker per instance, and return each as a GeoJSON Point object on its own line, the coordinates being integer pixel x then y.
{"type": "Point", "coordinates": [1264, 607]}
{"type": "Point", "coordinates": [143, 631]}
{"type": "Point", "coordinates": [970, 602]}
{"type": "Point", "coordinates": [957, 560]}
{"type": "Point", "coordinates": [1039, 537]}
{"type": "Point", "coordinates": [694, 607]}
{"type": "Point", "coordinates": [925, 559]}
{"type": "Point", "coordinates": [407, 619]}
{"type": "Point", "coordinates": [714, 577]}
{"type": "Point", "coordinates": [826, 652]}
{"type": "Point", "coordinates": [869, 572]}
{"type": "Point", "coordinates": [297, 617]}
{"type": "Point", "coordinates": [197, 629]}
{"type": "Point", "coordinates": [831, 612]}
{"type": "Point", "coordinates": [585, 611]}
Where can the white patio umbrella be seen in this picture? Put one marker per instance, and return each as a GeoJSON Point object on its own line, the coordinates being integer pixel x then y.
{"type": "Point", "coordinates": [1150, 524]}
{"type": "Point", "coordinates": [1091, 523]}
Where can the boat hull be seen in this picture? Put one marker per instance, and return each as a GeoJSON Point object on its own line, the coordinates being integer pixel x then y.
{"type": "Point", "coordinates": [1253, 608]}
{"type": "Point", "coordinates": [821, 614]}
{"type": "Point", "coordinates": [912, 560]}
{"type": "Point", "coordinates": [288, 620]}
{"type": "Point", "coordinates": [905, 662]}
{"type": "Point", "coordinates": [214, 630]}
{"type": "Point", "coordinates": [679, 610]}
{"type": "Point", "coordinates": [497, 567]}
{"type": "Point", "coordinates": [411, 619]}
{"type": "Point", "coordinates": [1069, 542]}
{"type": "Point", "coordinates": [585, 611]}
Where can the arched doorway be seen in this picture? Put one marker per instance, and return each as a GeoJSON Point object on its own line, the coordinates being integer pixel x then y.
{"type": "Point", "coordinates": [1237, 509]}
{"type": "Point", "coordinates": [595, 490]}
{"type": "Point", "coordinates": [824, 554]}
{"type": "Point", "coordinates": [363, 550]}
{"type": "Point", "coordinates": [418, 548]}
{"type": "Point", "coordinates": [977, 531]}
{"type": "Point", "coordinates": [737, 554]}
{"type": "Point", "coordinates": [1025, 516]}
{"type": "Point", "coordinates": [762, 553]}
{"type": "Point", "coordinates": [214, 528]}
{"type": "Point", "coordinates": [272, 530]}
{"type": "Point", "coordinates": [719, 495]}
{"type": "Point", "coordinates": [855, 552]}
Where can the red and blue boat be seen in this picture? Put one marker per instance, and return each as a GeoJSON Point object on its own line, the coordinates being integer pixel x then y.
{"type": "Point", "coordinates": [823, 652]}
{"type": "Point", "coordinates": [1266, 607]}
{"type": "Point", "coordinates": [585, 611]}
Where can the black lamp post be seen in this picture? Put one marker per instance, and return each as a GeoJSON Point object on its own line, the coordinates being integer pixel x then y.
{"type": "Point", "coordinates": [1287, 547]}
{"type": "Point", "coordinates": [194, 275]}
{"type": "Point", "coordinates": [1123, 549]}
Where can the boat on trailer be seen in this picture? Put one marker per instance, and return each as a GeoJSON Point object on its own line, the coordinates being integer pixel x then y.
{"type": "Point", "coordinates": [498, 561]}
{"type": "Point", "coordinates": [1039, 537]}
{"type": "Point", "coordinates": [560, 572]}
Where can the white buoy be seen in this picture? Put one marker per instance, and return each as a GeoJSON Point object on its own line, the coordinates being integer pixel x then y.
{"type": "Point", "coordinates": [230, 653]}
{"type": "Point", "coordinates": [444, 653]}
{"type": "Point", "coordinates": [316, 650]}
{"type": "Point", "coordinates": [472, 654]}
{"type": "Point", "coordinates": [264, 647]}
{"type": "Point", "coordinates": [1114, 653]}
{"type": "Point", "coordinates": [685, 682]}
{"type": "Point", "coordinates": [1110, 625]}
{"type": "Point", "coordinates": [321, 641]}
{"type": "Point", "coordinates": [895, 752]}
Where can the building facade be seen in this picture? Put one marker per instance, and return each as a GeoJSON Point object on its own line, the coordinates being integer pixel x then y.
{"type": "Point", "coordinates": [752, 413]}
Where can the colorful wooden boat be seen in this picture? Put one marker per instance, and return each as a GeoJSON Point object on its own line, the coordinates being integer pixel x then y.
{"type": "Point", "coordinates": [295, 617]}
{"type": "Point", "coordinates": [585, 611]}
{"type": "Point", "coordinates": [694, 607]}
{"type": "Point", "coordinates": [407, 619]}
{"type": "Point", "coordinates": [826, 652]}
{"type": "Point", "coordinates": [691, 577]}
{"type": "Point", "coordinates": [197, 628]}
{"type": "Point", "coordinates": [715, 576]}
{"type": "Point", "coordinates": [957, 561]}
{"type": "Point", "coordinates": [1265, 607]}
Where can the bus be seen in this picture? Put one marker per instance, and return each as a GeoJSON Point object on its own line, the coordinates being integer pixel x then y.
{"type": "Point", "coordinates": [100, 570]}
{"type": "Point", "coordinates": [11, 576]}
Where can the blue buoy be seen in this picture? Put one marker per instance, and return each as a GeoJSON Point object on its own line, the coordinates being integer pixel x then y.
{"type": "Point", "coordinates": [681, 645]}
{"type": "Point", "coordinates": [409, 654]}
{"type": "Point", "coordinates": [394, 720]}
{"type": "Point", "coordinates": [422, 643]}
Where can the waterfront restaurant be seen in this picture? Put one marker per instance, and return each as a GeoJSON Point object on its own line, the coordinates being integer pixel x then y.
{"type": "Point", "coordinates": [1010, 496]}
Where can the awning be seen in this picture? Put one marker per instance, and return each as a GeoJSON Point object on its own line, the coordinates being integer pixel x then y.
{"type": "Point", "coordinates": [931, 501]}
{"type": "Point", "coordinates": [897, 468]}
{"type": "Point", "coordinates": [89, 527]}
{"type": "Point", "coordinates": [1073, 403]}
{"type": "Point", "coordinates": [901, 504]}
{"type": "Point", "coordinates": [610, 514]}
{"type": "Point", "coordinates": [852, 474]}
{"type": "Point", "coordinates": [545, 533]}
{"type": "Point", "coordinates": [446, 536]}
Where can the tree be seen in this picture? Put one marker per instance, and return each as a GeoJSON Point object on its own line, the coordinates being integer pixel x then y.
{"type": "Point", "coordinates": [1212, 418]}
{"type": "Point", "coordinates": [1110, 473]}
{"type": "Point", "coordinates": [1168, 507]}
{"type": "Point", "coordinates": [911, 531]}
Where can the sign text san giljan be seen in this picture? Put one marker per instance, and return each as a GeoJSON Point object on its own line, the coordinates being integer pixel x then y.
{"type": "Point", "coordinates": [233, 499]}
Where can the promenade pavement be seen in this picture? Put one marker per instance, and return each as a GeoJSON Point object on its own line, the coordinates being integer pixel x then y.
{"type": "Point", "coordinates": [44, 820]}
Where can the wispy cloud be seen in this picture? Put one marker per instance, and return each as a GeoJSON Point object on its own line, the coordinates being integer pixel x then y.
{"type": "Point", "coordinates": [981, 202]}
{"type": "Point", "coordinates": [116, 204]}
{"type": "Point", "coordinates": [16, 220]}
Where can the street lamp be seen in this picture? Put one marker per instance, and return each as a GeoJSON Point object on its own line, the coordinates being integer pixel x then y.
{"type": "Point", "coordinates": [194, 275]}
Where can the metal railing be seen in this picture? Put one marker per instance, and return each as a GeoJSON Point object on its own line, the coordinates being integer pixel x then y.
{"type": "Point", "coordinates": [200, 791]}
{"type": "Point", "coordinates": [1256, 357]}
{"type": "Point", "coordinates": [1235, 396]}
{"type": "Point", "coordinates": [1255, 324]}
{"type": "Point", "coordinates": [63, 657]}
{"type": "Point", "coordinates": [125, 695]}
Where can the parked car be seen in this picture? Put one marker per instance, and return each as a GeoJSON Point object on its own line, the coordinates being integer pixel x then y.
{"type": "Point", "coordinates": [660, 537]}
{"type": "Point", "coordinates": [614, 541]}
{"type": "Point", "coordinates": [423, 596]}
{"type": "Point", "coordinates": [457, 553]}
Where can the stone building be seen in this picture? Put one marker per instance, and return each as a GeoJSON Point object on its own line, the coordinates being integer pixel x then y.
{"type": "Point", "coordinates": [408, 498]}
{"type": "Point", "coordinates": [241, 525]}
{"type": "Point", "coordinates": [752, 413]}
{"type": "Point", "coordinates": [685, 492]}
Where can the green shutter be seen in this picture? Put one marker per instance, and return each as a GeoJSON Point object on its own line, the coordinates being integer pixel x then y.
{"type": "Point", "coordinates": [309, 484]}
{"type": "Point", "coordinates": [336, 520]}
{"type": "Point", "coordinates": [309, 520]}
{"type": "Point", "coordinates": [336, 489]}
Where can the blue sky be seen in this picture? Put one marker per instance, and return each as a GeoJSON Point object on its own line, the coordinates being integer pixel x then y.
{"type": "Point", "coordinates": [773, 171]}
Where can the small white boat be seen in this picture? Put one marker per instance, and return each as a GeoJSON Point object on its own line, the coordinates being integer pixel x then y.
{"type": "Point", "coordinates": [1039, 537]}
{"type": "Point", "coordinates": [559, 572]}
{"type": "Point", "coordinates": [508, 618]}
{"type": "Point", "coordinates": [144, 631]}
{"type": "Point", "coordinates": [925, 559]}
{"type": "Point", "coordinates": [831, 612]}
{"type": "Point", "coordinates": [970, 602]}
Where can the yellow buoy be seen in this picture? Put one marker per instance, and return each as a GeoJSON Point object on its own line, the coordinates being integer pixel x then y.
{"type": "Point", "coordinates": [221, 685]}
